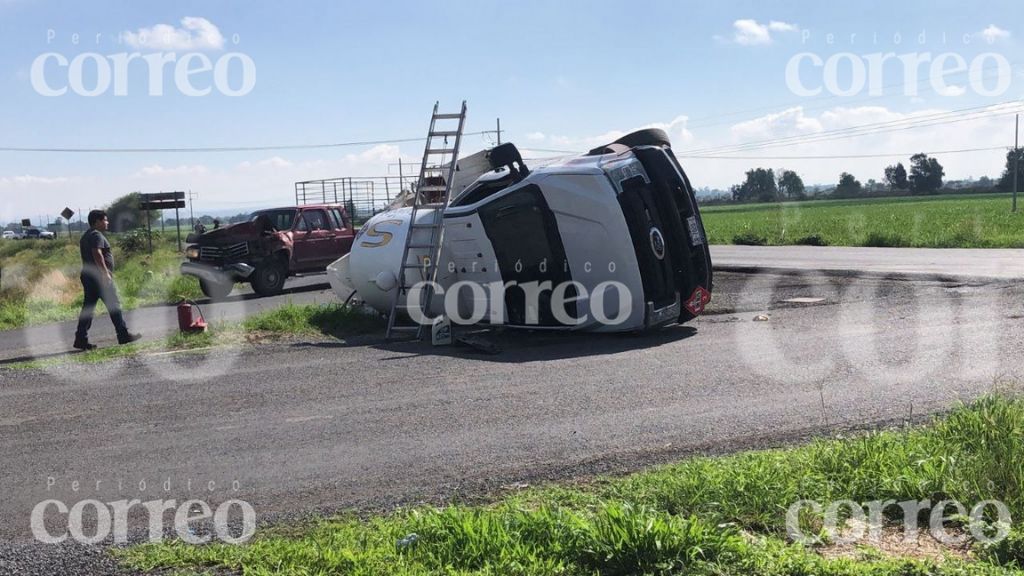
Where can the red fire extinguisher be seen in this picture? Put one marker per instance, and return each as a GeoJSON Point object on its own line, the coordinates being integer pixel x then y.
{"type": "Point", "coordinates": [185, 321]}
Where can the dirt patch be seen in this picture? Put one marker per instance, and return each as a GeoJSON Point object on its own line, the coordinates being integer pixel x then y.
{"type": "Point", "coordinates": [892, 543]}
{"type": "Point", "coordinates": [56, 287]}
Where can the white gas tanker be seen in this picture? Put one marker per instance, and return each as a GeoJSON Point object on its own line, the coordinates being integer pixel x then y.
{"type": "Point", "coordinates": [608, 241]}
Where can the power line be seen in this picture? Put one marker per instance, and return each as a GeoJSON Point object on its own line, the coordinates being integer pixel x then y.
{"type": "Point", "coordinates": [223, 149]}
{"type": "Point", "coordinates": [842, 157]}
{"type": "Point", "coordinates": [831, 96]}
{"type": "Point", "coordinates": [862, 129]}
{"type": "Point", "coordinates": [812, 139]}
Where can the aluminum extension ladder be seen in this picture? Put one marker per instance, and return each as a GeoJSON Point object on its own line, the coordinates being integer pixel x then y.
{"type": "Point", "coordinates": [430, 197]}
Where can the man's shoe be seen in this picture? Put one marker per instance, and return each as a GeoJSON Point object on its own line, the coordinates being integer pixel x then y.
{"type": "Point", "coordinates": [83, 345]}
{"type": "Point", "coordinates": [129, 338]}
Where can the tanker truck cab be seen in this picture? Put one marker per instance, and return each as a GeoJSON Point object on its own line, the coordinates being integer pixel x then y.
{"type": "Point", "coordinates": [607, 241]}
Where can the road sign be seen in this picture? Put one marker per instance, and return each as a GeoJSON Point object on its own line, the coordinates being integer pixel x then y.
{"type": "Point", "coordinates": [162, 201]}
{"type": "Point", "coordinates": [162, 205]}
{"type": "Point", "coordinates": [161, 196]}
{"type": "Point", "coordinates": [25, 223]}
{"type": "Point", "coordinates": [67, 214]}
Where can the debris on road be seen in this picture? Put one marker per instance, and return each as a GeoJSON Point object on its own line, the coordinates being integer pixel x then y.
{"type": "Point", "coordinates": [760, 318]}
{"type": "Point", "coordinates": [478, 343]}
{"type": "Point", "coordinates": [409, 542]}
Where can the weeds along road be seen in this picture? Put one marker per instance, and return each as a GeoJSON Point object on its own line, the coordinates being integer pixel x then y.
{"type": "Point", "coordinates": [324, 425]}
{"type": "Point", "coordinates": [155, 322]}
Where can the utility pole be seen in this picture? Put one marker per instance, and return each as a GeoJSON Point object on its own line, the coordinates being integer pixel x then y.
{"type": "Point", "coordinates": [191, 214]}
{"type": "Point", "coordinates": [1016, 160]}
{"type": "Point", "coordinates": [499, 131]}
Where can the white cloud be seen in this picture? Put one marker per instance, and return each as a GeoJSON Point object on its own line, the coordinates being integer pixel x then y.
{"type": "Point", "coordinates": [777, 26]}
{"type": "Point", "coordinates": [993, 33]}
{"type": "Point", "coordinates": [953, 91]}
{"type": "Point", "coordinates": [749, 32]}
{"type": "Point", "coordinates": [30, 180]}
{"type": "Point", "coordinates": [916, 100]}
{"type": "Point", "coordinates": [535, 136]}
{"type": "Point", "coordinates": [157, 170]}
{"type": "Point", "coordinates": [277, 162]}
{"type": "Point", "coordinates": [791, 122]}
{"type": "Point", "coordinates": [985, 132]}
{"type": "Point", "coordinates": [676, 130]}
{"type": "Point", "coordinates": [195, 34]}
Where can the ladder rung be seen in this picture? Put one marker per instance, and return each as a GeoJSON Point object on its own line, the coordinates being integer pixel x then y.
{"type": "Point", "coordinates": [440, 151]}
{"type": "Point", "coordinates": [417, 246]}
{"type": "Point", "coordinates": [431, 206]}
{"type": "Point", "coordinates": [401, 328]}
{"type": "Point", "coordinates": [436, 225]}
{"type": "Point", "coordinates": [445, 133]}
{"type": "Point", "coordinates": [432, 188]}
{"type": "Point", "coordinates": [447, 116]}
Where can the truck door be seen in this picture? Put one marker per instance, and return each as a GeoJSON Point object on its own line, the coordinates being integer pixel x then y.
{"type": "Point", "coordinates": [313, 240]}
{"type": "Point", "coordinates": [344, 235]}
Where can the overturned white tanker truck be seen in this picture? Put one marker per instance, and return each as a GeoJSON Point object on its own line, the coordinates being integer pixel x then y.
{"type": "Point", "coordinates": [607, 241]}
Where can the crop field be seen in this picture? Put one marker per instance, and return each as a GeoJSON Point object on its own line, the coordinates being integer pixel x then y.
{"type": "Point", "coordinates": [39, 278]}
{"type": "Point", "coordinates": [974, 221]}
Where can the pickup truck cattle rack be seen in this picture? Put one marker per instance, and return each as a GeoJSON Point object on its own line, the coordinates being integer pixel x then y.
{"type": "Point", "coordinates": [362, 197]}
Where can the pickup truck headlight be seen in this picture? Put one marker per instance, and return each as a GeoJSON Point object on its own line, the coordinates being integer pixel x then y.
{"type": "Point", "coordinates": [192, 253]}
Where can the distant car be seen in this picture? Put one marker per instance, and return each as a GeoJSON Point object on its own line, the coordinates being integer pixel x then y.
{"type": "Point", "coordinates": [10, 235]}
{"type": "Point", "coordinates": [38, 234]}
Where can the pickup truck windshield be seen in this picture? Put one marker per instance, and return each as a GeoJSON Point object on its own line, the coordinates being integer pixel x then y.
{"type": "Point", "coordinates": [279, 219]}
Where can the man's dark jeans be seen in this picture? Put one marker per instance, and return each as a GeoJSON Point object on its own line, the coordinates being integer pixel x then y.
{"type": "Point", "coordinates": [94, 292]}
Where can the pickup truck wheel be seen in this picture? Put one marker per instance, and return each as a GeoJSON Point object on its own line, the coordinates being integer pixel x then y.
{"type": "Point", "coordinates": [268, 279]}
{"type": "Point", "coordinates": [216, 290]}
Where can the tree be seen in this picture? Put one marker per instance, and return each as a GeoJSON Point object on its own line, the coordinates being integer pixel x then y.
{"type": "Point", "coordinates": [791, 185]}
{"type": "Point", "coordinates": [124, 213]}
{"type": "Point", "coordinates": [896, 177]}
{"type": "Point", "coordinates": [759, 187]}
{"type": "Point", "coordinates": [849, 187]}
{"type": "Point", "coordinates": [1006, 180]}
{"type": "Point", "coordinates": [925, 174]}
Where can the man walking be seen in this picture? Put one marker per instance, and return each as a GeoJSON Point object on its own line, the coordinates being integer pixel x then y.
{"type": "Point", "coordinates": [98, 283]}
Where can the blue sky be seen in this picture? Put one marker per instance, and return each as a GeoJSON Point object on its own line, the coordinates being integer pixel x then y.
{"type": "Point", "coordinates": [561, 75]}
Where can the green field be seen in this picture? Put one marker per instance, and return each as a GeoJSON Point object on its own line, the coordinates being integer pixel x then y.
{"type": "Point", "coordinates": [969, 221]}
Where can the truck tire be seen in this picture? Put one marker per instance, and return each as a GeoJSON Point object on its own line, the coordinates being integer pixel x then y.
{"type": "Point", "coordinates": [216, 290]}
{"type": "Point", "coordinates": [268, 278]}
{"type": "Point", "coordinates": [646, 137]}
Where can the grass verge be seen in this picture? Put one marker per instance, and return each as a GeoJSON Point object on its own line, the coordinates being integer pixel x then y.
{"type": "Point", "coordinates": [39, 279]}
{"type": "Point", "coordinates": [708, 515]}
{"type": "Point", "coordinates": [331, 320]}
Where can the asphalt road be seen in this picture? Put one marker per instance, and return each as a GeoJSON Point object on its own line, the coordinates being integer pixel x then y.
{"type": "Point", "coordinates": [949, 262]}
{"type": "Point", "coordinates": [158, 322]}
{"type": "Point", "coordinates": [307, 426]}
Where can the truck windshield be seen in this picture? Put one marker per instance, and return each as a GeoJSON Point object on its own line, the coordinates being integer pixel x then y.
{"type": "Point", "coordinates": [279, 219]}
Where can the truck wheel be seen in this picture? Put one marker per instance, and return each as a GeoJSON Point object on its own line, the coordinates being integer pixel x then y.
{"type": "Point", "coordinates": [216, 290]}
{"type": "Point", "coordinates": [646, 137]}
{"type": "Point", "coordinates": [268, 278]}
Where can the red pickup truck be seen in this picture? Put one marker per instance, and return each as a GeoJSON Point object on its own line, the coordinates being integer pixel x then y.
{"type": "Point", "coordinates": [272, 246]}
